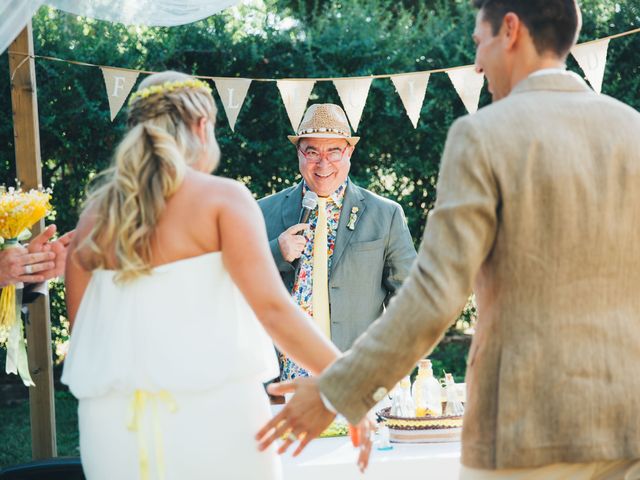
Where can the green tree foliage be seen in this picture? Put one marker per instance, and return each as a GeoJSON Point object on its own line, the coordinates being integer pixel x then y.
{"type": "Point", "coordinates": [280, 39]}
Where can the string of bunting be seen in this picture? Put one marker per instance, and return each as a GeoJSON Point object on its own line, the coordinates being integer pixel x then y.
{"type": "Point", "coordinates": [353, 91]}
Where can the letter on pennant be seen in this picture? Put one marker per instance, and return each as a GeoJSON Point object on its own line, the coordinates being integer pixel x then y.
{"type": "Point", "coordinates": [353, 94]}
{"type": "Point", "coordinates": [468, 83]}
{"type": "Point", "coordinates": [295, 95]}
{"type": "Point", "coordinates": [412, 89]}
{"type": "Point", "coordinates": [232, 92]}
{"type": "Point", "coordinates": [119, 84]}
{"type": "Point", "coordinates": [592, 58]}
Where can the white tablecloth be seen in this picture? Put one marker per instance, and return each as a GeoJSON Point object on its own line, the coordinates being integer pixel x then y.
{"type": "Point", "coordinates": [335, 459]}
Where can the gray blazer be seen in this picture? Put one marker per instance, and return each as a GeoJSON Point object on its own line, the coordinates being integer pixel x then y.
{"type": "Point", "coordinates": [369, 263]}
{"type": "Point", "coordinates": [538, 209]}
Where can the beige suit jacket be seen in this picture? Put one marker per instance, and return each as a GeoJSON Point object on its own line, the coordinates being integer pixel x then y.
{"type": "Point", "coordinates": [538, 212]}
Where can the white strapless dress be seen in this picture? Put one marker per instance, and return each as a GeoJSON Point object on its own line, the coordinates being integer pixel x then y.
{"type": "Point", "coordinates": [168, 370]}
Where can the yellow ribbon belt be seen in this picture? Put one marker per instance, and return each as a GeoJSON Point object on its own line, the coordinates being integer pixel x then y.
{"type": "Point", "coordinates": [138, 410]}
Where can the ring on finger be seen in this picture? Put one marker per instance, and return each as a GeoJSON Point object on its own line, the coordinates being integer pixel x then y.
{"type": "Point", "coordinates": [292, 437]}
{"type": "Point", "coordinates": [28, 269]}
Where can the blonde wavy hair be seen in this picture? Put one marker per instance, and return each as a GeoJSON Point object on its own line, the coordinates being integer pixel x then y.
{"type": "Point", "coordinates": [148, 167]}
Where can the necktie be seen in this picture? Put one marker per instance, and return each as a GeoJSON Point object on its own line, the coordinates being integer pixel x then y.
{"type": "Point", "coordinates": [320, 271]}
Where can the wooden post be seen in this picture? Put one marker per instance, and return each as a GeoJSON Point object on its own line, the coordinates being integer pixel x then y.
{"type": "Point", "coordinates": [24, 102]}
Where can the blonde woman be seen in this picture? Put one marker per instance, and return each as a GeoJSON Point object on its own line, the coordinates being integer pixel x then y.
{"type": "Point", "coordinates": [169, 263]}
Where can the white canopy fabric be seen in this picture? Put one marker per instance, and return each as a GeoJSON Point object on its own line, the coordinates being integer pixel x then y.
{"type": "Point", "coordinates": [15, 14]}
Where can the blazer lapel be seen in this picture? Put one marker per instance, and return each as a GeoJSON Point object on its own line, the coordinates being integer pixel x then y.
{"type": "Point", "coordinates": [292, 206]}
{"type": "Point", "coordinates": [352, 198]}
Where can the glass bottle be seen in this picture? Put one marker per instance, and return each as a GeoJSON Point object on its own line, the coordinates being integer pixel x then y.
{"type": "Point", "coordinates": [426, 391]}
{"type": "Point", "coordinates": [454, 406]}
{"type": "Point", "coordinates": [403, 405]}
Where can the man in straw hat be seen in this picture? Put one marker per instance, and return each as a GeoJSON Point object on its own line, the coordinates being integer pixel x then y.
{"type": "Point", "coordinates": [344, 280]}
{"type": "Point", "coordinates": [538, 211]}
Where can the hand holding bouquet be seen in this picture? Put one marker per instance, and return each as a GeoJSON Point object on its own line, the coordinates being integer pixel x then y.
{"type": "Point", "coordinates": [19, 211]}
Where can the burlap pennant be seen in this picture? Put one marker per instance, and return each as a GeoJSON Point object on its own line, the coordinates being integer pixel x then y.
{"type": "Point", "coordinates": [353, 94]}
{"type": "Point", "coordinates": [295, 95]}
{"type": "Point", "coordinates": [468, 84]}
{"type": "Point", "coordinates": [592, 58]}
{"type": "Point", "coordinates": [412, 89]}
{"type": "Point", "coordinates": [232, 92]}
{"type": "Point", "coordinates": [119, 84]}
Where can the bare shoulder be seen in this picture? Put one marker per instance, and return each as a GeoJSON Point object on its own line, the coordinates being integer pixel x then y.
{"type": "Point", "coordinates": [86, 222]}
{"type": "Point", "coordinates": [237, 214]}
{"type": "Point", "coordinates": [221, 194]}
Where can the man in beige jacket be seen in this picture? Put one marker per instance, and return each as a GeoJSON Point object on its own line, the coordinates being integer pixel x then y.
{"type": "Point", "coordinates": [538, 212]}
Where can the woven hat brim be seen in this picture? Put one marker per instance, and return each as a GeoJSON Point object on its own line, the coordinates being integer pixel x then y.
{"type": "Point", "coordinates": [350, 140]}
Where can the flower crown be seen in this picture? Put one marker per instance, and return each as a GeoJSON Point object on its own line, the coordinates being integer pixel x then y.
{"type": "Point", "coordinates": [168, 87]}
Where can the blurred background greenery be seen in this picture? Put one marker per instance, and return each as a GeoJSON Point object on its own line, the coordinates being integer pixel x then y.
{"type": "Point", "coordinates": [282, 39]}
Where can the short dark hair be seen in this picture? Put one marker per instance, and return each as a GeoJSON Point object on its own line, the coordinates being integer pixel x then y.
{"type": "Point", "coordinates": [553, 24]}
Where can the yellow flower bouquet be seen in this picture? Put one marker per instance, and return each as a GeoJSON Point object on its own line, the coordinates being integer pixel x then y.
{"type": "Point", "coordinates": [19, 211]}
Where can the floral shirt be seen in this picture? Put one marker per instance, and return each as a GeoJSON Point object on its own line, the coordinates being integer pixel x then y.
{"type": "Point", "coordinates": [303, 285]}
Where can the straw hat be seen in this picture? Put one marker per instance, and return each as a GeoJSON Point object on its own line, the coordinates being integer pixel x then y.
{"type": "Point", "coordinates": [324, 120]}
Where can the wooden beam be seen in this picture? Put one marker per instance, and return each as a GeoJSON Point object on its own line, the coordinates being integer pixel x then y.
{"type": "Point", "coordinates": [24, 102]}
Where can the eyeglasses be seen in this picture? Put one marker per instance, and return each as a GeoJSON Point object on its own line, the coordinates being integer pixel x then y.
{"type": "Point", "coordinates": [333, 156]}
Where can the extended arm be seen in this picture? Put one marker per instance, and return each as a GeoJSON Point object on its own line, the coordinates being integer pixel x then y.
{"type": "Point", "coordinates": [76, 277]}
{"type": "Point", "coordinates": [459, 235]}
{"type": "Point", "coordinates": [248, 259]}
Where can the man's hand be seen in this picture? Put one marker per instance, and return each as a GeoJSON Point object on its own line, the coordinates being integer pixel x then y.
{"type": "Point", "coordinates": [43, 243]}
{"type": "Point", "coordinates": [59, 247]}
{"type": "Point", "coordinates": [18, 265]}
{"type": "Point", "coordinates": [291, 244]}
{"type": "Point", "coordinates": [304, 417]}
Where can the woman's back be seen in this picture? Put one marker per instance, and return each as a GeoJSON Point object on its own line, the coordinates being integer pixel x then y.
{"type": "Point", "coordinates": [188, 225]}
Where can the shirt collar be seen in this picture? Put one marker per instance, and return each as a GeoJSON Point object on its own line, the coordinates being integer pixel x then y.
{"type": "Point", "coordinates": [336, 197]}
{"type": "Point", "coordinates": [548, 71]}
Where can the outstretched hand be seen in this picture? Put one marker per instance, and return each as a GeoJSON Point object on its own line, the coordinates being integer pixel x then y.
{"type": "Point", "coordinates": [305, 417]}
{"type": "Point", "coordinates": [302, 419]}
{"type": "Point", "coordinates": [44, 243]}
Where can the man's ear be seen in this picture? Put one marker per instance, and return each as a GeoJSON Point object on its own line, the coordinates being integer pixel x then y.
{"type": "Point", "coordinates": [511, 29]}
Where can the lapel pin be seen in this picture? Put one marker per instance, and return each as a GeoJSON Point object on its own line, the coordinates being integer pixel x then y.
{"type": "Point", "coordinates": [353, 216]}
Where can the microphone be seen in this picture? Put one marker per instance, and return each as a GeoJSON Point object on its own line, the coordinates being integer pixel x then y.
{"type": "Point", "coordinates": [309, 203]}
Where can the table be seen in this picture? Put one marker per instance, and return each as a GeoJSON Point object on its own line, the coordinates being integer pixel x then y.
{"type": "Point", "coordinates": [335, 459]}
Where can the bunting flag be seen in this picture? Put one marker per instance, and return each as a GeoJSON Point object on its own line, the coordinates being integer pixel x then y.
{"type": "Point", "coordinates": [119, 84]}
{"type": "Point", "coordinates": [295, 95]}
{"type": "Point", "coordinates": [232, 92]}
{"type": "Point", "coordinates": [468, 83]}
{"type": "Point", "coordinates": [412, 88]}
{"type": "Point", "coordinates": [353, 94]}
{"type": "Point", "coordinates": [592, 58]}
